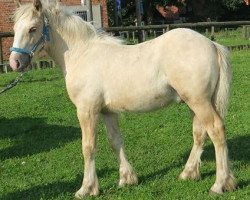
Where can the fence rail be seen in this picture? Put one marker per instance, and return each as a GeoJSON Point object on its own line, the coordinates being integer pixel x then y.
{"type": "Point", "coordinates": [6, 34]}
{"type": "Point", "coordinates": [181, 25]}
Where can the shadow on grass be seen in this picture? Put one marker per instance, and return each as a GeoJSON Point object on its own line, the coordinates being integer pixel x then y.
{"type": "Point", "coordinates": [238, 147]}
{"type": "Point", "coordinates": [239, 150]}
{"type": "Point", "coordinates": [27, 130]}
{"type": "Point", "coordinates": [57, 188]}
{"type": "Point", "coordinates": [48, 191]}
{"type": "Point", "coordinates": [159, 173]}
{"type": "Point", "coordinates": [28, 136]}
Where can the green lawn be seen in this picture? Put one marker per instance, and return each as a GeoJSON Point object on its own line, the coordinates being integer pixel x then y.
{"type": "Point", "coordinates": [40, 146]}
{"type": "Point", "coordinates": [231, 37]}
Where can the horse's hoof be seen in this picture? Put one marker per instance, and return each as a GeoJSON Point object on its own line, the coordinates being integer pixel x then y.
{"type": "Point", "coordinates": [215, 190]}
{"type": "Point", "coordinates": [190, 176]}
{"type": "Point", "coordinates": [81, 193]}
{"type": "Point", "coordinates": [129, 178]}
{"type": "Point", "coordinates": [78, 195]}
{"type": "Point", "coordinates": [214, 193]}
{"type": "Point", "coordinates": [230, 184]}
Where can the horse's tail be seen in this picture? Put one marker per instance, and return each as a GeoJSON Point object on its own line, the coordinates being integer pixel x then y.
{"type": "Point", "coordinates": [222, 90]}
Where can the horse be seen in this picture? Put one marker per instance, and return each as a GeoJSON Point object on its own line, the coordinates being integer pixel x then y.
{"type": "Point", "coordinates": [105, 77]}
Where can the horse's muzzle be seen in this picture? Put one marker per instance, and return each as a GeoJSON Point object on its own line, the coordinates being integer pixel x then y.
{"type": "Point", "coordinates": [18, 62]}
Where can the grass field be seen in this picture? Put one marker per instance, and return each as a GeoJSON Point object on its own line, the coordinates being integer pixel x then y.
{"type": "Point", "coordinates": [230, 37]}
{"type": "Point", "coordinates": [40, 146]}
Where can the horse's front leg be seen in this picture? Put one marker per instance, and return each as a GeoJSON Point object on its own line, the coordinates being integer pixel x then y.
{"type": "Point", "coordinates": [88, 119]}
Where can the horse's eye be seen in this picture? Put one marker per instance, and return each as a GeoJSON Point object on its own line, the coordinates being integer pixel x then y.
{"type": "Point", "coordinates": [32, 30]}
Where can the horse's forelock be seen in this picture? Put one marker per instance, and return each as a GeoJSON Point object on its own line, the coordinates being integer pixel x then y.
{"type": "Point", "coordinates": [27, 9]}
{"type": "Point", "coordinates": [24, 11]}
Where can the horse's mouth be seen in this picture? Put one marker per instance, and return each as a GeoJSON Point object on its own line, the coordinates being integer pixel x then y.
{"type": "Point", "coordinates": [23, 68]}
{"type": "Point", "coordinates": [20, 67]}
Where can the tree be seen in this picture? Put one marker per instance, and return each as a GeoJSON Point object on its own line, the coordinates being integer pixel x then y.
{"type": "Point", "coordinates": [232, 4]}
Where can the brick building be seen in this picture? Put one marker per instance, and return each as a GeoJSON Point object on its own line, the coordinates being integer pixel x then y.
{"type": "Point", "coordinates": [7, 8]}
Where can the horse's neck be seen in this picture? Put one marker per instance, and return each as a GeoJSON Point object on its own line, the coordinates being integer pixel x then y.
{"type": "Point", "coordinates": [60, 49]}
{"type": "Point", "coordinates": [57, 49]}
{"type": "Point", "coordinates": [63, 43]}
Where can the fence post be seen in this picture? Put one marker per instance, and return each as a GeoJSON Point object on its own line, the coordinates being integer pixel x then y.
{"type": "Point", "coordinates": [244, 32]}
{"type": "Point", "coordinates": [1, 50]}
{"type": "Point", "coordinates": [133, 36]}
{"type": "Point", "coordinates": [247, 31]}
{"type": "Point", "coordinates": [207, 32]}
{"type": "Point", "coordinates": [168, 28]}
{"type": "Point", "coordinates": [212, 33]}
{"type": "Point", "coordinates": [144, 35]}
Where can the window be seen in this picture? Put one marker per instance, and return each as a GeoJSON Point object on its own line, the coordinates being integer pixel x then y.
{"type": "Point", "coordinates": [82, 14]}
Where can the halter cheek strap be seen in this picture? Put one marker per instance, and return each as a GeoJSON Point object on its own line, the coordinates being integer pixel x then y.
{"type": "Point", "coordinates": [45, 37]}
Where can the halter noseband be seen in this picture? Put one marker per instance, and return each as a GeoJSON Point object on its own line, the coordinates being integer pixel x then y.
{"type": "Point", "coordinates": [44, 37]}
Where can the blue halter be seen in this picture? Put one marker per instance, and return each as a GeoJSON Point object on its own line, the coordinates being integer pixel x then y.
{"type": "Point", "coordinates": [45, 37]}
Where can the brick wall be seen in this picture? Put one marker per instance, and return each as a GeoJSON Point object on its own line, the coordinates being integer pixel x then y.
{"type": "Point", "coordinates": [7, 8]}
{"type": "Point", "coordinates": [71, 2]}
{"type": "Point", "coordinates": [6, 25]}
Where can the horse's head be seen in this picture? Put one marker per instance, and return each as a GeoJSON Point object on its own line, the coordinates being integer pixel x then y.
{"type": "Point", "coordinates": [31, 32]}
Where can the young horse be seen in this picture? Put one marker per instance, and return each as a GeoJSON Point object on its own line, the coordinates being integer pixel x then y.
{"type": "Point", "coordinates": [105, 77]}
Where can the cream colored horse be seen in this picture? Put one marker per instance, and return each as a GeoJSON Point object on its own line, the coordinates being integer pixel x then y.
{"type": "Point", "coordinates": [105, 77]}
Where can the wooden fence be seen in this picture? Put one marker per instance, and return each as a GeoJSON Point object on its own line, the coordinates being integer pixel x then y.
{"type": "Point", "coordinates": [3, 35]}
{"type": "Point", "coordinates": [208, 26]}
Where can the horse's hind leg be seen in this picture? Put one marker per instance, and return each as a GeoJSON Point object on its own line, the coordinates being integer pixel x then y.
{"type": "Point", "coordinates": [127, 174]}
{"type": "Point", "coordinates": [192, 167]}
{"type": "Point", "coordinates": [215, 129]}
{"type": "Point", "coordinates": [88, 119]}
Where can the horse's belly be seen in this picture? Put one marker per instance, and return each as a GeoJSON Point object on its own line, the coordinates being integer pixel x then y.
{"type": "Point", "coordinates": [143, 102]}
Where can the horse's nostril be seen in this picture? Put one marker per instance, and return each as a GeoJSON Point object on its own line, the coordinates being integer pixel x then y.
{"type": "Point", "coordinates": [17, 64]}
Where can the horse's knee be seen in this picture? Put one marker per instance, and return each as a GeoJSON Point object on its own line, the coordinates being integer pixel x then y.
{"type": "Point", "coordinates": [89, 151]}
{"type": "Point", "coordinates": [198, 137]}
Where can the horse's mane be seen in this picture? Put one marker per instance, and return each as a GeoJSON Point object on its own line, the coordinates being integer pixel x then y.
{"type": "Point", "coordinates": [74, 27]}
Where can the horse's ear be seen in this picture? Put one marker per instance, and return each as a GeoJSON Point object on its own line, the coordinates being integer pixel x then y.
{"type": "Point", "coordinates": [17, 2]}
{"type": "Point", "coordinates": [37, 4]}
